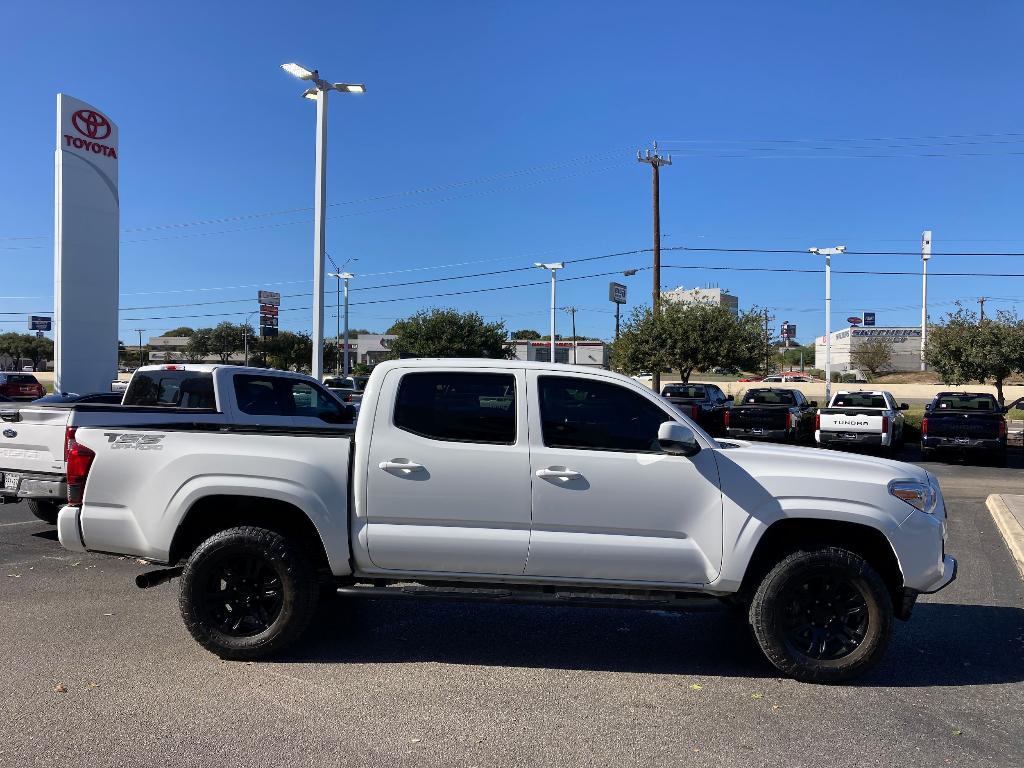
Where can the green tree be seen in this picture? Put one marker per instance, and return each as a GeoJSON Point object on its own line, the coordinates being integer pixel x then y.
{"type": "Point", "coordinates": [449, 333]}
{"type": "Point", "coordinates": [963, 350]}
{"type": "Point", "coordinates": [225, 340]}
{"type": "Point", "coordinates": [27, 345]}
{"type": "Point", "coordinates": [688, 338]}
{"type": "Point", "coordinates": [526, 334]}
{"type": "Point", "coordinates": [872, 354]}
{"type": "Point", "coordinates": [288, 350]}
{"type": "Point", "coordinates": [199, 345]}
{"type": "Point", "coordinates": [182, 331]}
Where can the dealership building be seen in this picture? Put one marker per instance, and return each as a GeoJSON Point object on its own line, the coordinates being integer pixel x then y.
{"type": "Point", "coordinates": [905, 340]}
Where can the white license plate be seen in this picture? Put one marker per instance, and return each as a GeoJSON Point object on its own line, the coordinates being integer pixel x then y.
{"type": "Point", "coordinates": [848, 436]}
{"type": "Point", "coordinates": [11, 481]}
{"type": "Point", "coordinates": [757, 431]}
{"type": "Point", "coordinates": [962, 440]}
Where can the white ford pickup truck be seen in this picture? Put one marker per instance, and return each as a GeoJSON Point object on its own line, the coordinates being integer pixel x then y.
{"type": "Point", "coordinates": [34, 436]}
{"type": "Point", "coordinates": [872, 419]}
{"type": "Point", "coordinates": [519, 482]}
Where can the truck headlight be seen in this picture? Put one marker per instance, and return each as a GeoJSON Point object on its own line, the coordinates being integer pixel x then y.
{"type": "Point", "coordinates": [921, 496]}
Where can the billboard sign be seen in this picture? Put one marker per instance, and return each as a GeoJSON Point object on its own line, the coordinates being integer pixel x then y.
{"type": "Point", "coordinates": [269, 297]}
{"type": "Point", "coordinates": [788, 330]}
{"type": "Point", "coordinates": [39, 323]}
{"type": "Point", "coordinates": [617, 293]}
{"type": "Point", "coordinates": [854, 320]}
{"type": "Point", "coordinates": [869, 319]}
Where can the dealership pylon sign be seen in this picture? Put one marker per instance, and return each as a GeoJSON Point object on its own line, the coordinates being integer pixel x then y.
{"type": "Point", "coordinates": [86, 248]}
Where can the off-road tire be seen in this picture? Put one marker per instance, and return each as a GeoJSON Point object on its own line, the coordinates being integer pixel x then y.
{"type": "Point", "coordinates": [277, 564]}
{"type": "Point", "coordinates": [46, 511]}
{"type": "Point", "coordinates": [774, 608]}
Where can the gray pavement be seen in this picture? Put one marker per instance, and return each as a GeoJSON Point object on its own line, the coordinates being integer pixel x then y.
{"type": "Point", "coordinates": [387, 683]}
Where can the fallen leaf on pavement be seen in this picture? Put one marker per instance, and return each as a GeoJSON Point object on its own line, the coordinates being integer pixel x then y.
{"type": "Point", "coordinates": [60, 689]}
{"type": "Point", "coordinates": [696, 687]}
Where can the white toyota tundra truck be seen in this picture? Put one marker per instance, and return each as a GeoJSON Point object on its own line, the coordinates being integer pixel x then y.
{"type": "Point", "coordinates": [518, 482]}
{"type": "Point", "coordinates": [872, 419]}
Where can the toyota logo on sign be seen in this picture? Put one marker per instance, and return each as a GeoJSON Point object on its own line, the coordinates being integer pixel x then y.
{"type": "Point", "coordinates": [91, 124]}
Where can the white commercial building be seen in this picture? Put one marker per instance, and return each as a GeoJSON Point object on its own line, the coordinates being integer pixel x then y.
{"type": "Point", "coordinates": [594, 353]}
{"type": "Point", "coordinates": [715, 296]}
{"type": "Point", "coordinates": [905, 341]}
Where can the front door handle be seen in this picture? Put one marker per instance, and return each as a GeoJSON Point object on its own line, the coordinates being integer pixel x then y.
{"type": "Point", "coordinates": [406, 466]}
{"type": "Point", "coordinates": [561, 473]}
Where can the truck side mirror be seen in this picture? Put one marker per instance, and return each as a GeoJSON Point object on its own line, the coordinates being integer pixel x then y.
{"type": "Point", "coordinates": [928, 407]}
{"type": "Point", "coordinates": [904, 407]}
{"type": "Point", "coordinates": [814, 403]}
{"type": "Point", "coordinates": [677, 439]}
{"type": "Point", "coordinates": [730, 398]}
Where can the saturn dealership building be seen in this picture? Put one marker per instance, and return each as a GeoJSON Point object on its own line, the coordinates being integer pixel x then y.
{"type": "Point", "coordinates": [906, 347]}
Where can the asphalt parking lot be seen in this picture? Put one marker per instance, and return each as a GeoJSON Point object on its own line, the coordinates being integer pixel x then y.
{"type": "Point", "coordinates": [97, 672]}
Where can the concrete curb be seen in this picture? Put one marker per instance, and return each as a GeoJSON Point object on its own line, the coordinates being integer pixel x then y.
{"type": "Point", "coordinates": [1011, 530]}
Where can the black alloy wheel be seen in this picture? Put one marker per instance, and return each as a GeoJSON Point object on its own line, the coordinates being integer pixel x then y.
{"type": "Point", "coordinates": [825, 617]}
{"type": "Point", "coordinates": [244, 595]}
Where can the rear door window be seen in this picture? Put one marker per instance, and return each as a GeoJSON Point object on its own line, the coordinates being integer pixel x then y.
{"type": "Point", "coordinates": [172, 389]}
{"type": "Point", "coordinates": [458, 407]}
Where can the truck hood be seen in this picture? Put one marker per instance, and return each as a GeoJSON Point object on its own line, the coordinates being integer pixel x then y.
{"type": "Point", "coordinates": [785, 461]}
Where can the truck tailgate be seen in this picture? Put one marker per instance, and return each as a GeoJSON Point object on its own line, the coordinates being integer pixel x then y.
{"type": "Point", "coordinates": [32, 439]}
{"type": "Point", "coordinates": [974, 426]}
{"type": "Point", "coordinates": [758, 417]}
{"type": "Point", "coordinates": [856, 420]}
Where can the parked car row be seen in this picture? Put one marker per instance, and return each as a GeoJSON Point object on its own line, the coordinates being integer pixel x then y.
{"type": "Point", "coordinates": [955, 423]}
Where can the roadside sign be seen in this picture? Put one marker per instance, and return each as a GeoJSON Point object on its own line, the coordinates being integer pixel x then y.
{"type": "Point", "coordinates": [39, 334]}
{"type": "Point", "coordinates": [869, 318]}
{"type": "Point", "coordinates": [617, 293]}
{"type": "Point", "coordinates": [266, 330]}
{"type": "Point", "coordinates": [39, 323]}
{"type": "Point", "coordinates": [269, 297]}
{"type": "Point", "coordinates": [788, 330]}
{"type": "Point", "coordinates": [854, 320]}
{"type": "Point", "coordinates": [268, 310]}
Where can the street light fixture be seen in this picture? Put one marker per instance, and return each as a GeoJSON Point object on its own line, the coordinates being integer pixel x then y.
{"type": "Point", "coordinates": [346, 276]}
{"type": "Point", "coordinates": [553, 267]}
{"type": "Point", "coordinates": [828, 253]}
{"type": "Point", "coordinates": [319, 92]}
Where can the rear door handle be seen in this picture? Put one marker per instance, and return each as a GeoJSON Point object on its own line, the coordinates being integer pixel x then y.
{"type": "Point", "coordinates": [408, 466]}
{"type": "Point", "coordinates": [563, 474]}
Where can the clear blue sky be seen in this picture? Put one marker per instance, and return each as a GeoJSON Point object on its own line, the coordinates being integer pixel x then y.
{"type": "Point", "coordinates": [497, 134]}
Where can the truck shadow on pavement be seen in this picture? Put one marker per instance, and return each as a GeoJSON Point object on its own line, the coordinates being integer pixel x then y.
{"type": "Point", "coordinates": [943, 644]}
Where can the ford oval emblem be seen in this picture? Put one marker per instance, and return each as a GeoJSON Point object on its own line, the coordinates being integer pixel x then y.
{"type": "Point", "coordinates": [10, 433]}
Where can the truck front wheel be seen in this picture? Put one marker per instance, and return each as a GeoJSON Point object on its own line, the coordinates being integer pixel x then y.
{"type": "Point", "coordinates": [248, 592]}
{"type": "Point", "coordinates": [822, 616]}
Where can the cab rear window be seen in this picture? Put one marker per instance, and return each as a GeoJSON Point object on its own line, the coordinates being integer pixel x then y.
{"type": "Point", "coordinates": [968, 403]}
{"type": "Point", "coordinates": [769, 397]}
{"type": "Point", "coordinates": [172, 389]}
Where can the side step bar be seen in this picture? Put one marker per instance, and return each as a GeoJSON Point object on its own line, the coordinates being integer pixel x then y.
{"type": "Point", "coordinates": [666, 601]}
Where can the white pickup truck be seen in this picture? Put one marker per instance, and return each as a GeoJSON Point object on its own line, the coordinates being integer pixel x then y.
{"type": "Point", "coordinates": [872, 419]}
{"type": "Point", "coordinates": [34, 438]}
{"type": "Point", "coordinates": [518, 482]}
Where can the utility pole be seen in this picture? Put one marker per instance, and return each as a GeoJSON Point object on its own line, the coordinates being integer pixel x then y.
{"type": "Point", "coordinates": [572, 311]}
{"type": "Point", "coordinates": [981, 303]}
{"type": "Point", "coordinates": [767, 343]}
{"type": "Point", "coordinates": [926, 253]}
{"type": "Point", "coordinates": [139, 331]}
{"type": "Point", "coordinates": [656, 161]}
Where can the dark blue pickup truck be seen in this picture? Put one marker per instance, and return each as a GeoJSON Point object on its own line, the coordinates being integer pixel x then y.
{"type": "Point", "coordinates": [962, 423]}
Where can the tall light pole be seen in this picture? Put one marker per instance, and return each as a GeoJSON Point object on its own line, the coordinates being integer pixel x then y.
{"type": "Point", "coordinates": [554, 267]}
{"type": "Point", "coordinates": [926, 253]}
{"type": "Point", "coordinates": [318, 92]}
{"type": "Point", "coordinates": [346, 276]}
{"type": "Point", "coordinates": [828, 253]}
{"type": "Point", "coordinates": [656, 161]}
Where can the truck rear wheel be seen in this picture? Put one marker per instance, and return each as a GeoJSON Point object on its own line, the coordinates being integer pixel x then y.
{"type": "Point", "coordinates": [46, 511]}
{"type": "Point", "coordinates": [248, 592]}
{"type": "Point", "coordinates": [823, 616]}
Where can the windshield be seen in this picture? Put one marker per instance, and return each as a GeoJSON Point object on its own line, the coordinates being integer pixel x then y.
{"type": "Point", "coordinates": [859, 400]}
{"type": "Point", "coordinates": [768, 397]}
